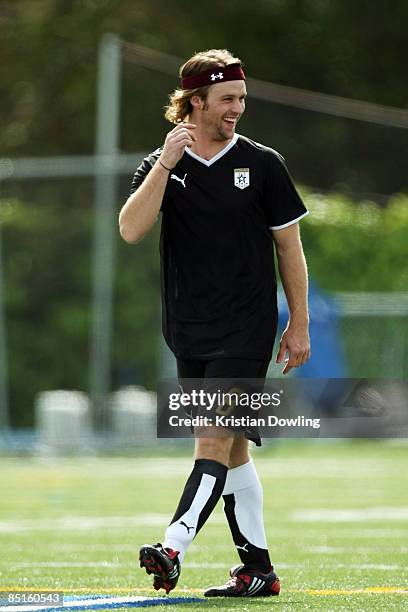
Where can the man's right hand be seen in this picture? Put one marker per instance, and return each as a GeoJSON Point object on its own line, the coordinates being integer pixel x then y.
{"type": "Point", "coordinates": [179, 137]}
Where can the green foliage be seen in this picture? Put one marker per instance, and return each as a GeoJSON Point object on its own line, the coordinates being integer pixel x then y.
{"type": "Point", "coordinates": [47, 107]}
{"type": "Point", "coordinates": [47, 303]}
{"type": "Point", "coordinates": [47, 253]}
{"type": "Point", "coordinates": [47, 268]}
{"type": "Point", "coordinates": [356, 248]}
{"type": "Point", "coordinates": [49, 69]}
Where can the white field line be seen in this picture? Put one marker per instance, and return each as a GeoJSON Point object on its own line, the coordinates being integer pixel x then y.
{"type": "Point", "coordinates": [115, 565]}
{"type": "Point", "coordinates": [356, 566]}
{"type": "Point", "coordinates": [64, 547]}
{"type": "Point", "coordinates": [207, 565]}
{"type": "Point", "coordinates": [133, 548]}
{"type": "Point", "coordinates": [75, 523]}
{"type": "Point", "coordinates": [111, 547]}
{"type": "Point", "coordinates": [106, 564]}
{"type": "Point", "coordinates": [282, 467]}
{"type": "Point", "coordinates": [378, 533]}
{"type": "Point", "coordinates": [97, 593]}
{"type": "Point", "coordinates": [357, 532]}
{"type": "Point", "coordinates": [85, 603]}
{"type": "Point", "coordinates": [217, 519]}
{"type": "Point", "coordinates": [332, 550]}
{"type": "Point", "coordinates": [328, 550]}
{"type": "Point", "coordinates": [328, 515]}
{"type": "Point", "coordinates": [378, 566]}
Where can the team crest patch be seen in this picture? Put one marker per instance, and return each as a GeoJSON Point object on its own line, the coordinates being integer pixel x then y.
{"type": "Point", "coordinates": [241, 177]}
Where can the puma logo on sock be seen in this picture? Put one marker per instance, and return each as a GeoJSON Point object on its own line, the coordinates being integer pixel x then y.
{"type": "Point", "coordinates": [187, 527]}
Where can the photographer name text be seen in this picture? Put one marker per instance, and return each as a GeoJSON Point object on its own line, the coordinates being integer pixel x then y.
{"type": "Point", "coordinates": [245, 421]}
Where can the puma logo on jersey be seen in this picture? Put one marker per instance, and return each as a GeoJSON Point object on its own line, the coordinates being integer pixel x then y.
{"type": "Point", "coordinates": [244, 547]}
{"type": "Point", "coordinates": [186, 526]}
{"type": "Point", "coordinates": [177, 178]}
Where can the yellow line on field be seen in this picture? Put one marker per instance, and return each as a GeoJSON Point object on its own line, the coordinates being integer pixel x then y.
{"type": "Point", "coordinates": [98, 591]}
{"type": "Point", "coordinates": [89, 590]}
{"type": "Point", "coordinates": [353, 591]}
{"type": "Point", "coordinates": [389, 589]}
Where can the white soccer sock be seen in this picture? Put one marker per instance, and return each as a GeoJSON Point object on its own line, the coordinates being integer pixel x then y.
{"type": "Point", "coordinates": [243, 498]}
{"type": "Point", "coordinates": [180, 534]}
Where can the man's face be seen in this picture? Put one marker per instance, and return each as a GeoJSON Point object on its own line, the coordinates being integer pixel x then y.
{"type": "Point", "coordinates": [222, 109]}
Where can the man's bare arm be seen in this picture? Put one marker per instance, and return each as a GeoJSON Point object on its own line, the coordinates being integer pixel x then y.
{"type": "Point", "coordinates": [295, 340]}
{"type": "Point", "coordinates": [142, 208]}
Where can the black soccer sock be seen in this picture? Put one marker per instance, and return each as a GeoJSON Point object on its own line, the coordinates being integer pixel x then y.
{"type": "Point", "coordinates": [243, 500]}
{"type": "Point", "coordinates": [201, 493]}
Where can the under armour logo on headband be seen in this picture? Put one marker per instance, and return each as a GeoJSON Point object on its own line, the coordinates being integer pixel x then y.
{"type": "Point", "coordinates": [232, 72]}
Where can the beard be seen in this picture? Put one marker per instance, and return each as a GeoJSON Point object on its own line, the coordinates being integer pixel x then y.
{"type": "Point", "coordinates": [215, 128]}
{"type": "Point", "coordinates": [222, 135]}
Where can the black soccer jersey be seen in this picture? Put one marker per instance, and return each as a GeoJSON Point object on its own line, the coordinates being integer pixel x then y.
{"type": "Point", "coordinates": [217, 255]}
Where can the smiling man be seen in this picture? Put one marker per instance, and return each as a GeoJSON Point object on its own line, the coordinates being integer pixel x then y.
{"type": "Point", "coordinates": [226, 201]}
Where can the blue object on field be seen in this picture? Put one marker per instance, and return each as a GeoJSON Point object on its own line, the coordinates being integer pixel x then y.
{"type": "Point", "coordinates": [328, 360]}
{"type": "Point", "coordinates": [104, 602]}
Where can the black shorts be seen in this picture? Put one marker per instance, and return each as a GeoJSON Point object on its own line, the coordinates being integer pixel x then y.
{"type": "Point", "coordinates": [227, 369]}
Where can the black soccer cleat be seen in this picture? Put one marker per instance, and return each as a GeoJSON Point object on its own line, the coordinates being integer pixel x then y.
{"type": "Point", "coordinates": [245, 582]}
{"type": "Point", "coordinates": [163, 563]}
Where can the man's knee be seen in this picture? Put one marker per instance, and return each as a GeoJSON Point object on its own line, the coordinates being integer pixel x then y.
{"type": "Point", "coordinates": [239, 453]}
{"type": "Point", "coordinates": [214, 445]}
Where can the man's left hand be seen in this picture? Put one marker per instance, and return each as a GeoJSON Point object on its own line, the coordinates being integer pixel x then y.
{"type": "Point", "coordinates": [295, 343]}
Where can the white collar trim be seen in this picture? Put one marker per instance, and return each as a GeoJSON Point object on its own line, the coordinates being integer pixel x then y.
{"type": "Point", "coordinates": [209, 162]}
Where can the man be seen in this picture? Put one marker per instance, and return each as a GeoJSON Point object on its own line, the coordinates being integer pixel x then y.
{"type": "Point", "coordinates": [225, 202]}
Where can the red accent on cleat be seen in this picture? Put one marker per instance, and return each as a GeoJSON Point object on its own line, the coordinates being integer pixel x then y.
{"type": "Point", "coordinates": [163, 563]}
{"type": "Point", "coordinates": [246, 579]}
{"type": "Point", "coordinates": [247, 582]}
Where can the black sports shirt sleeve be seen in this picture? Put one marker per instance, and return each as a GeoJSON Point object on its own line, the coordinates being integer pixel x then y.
{"type": "Point", "coordinates": [144, 169]}
{"type": "Point", "coordinates": [283, 204]}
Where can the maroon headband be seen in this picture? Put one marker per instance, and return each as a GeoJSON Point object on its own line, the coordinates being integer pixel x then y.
{"type": "Point", "coordinates": [217, 74]}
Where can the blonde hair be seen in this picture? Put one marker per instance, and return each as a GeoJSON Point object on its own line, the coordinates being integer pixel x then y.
{"type": "Point", "coordinates": [180, 105]}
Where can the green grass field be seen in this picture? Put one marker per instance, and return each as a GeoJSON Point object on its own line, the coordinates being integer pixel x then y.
{"type": "Point", "coordinates": [336, 516]}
